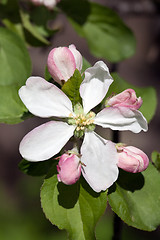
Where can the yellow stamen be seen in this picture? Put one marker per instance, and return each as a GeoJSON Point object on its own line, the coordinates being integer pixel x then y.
{"type": "Point", "coordinates": [70, 115]}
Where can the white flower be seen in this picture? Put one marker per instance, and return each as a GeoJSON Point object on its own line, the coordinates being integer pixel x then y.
{"type": "Point", "coordinates": [99, 156]}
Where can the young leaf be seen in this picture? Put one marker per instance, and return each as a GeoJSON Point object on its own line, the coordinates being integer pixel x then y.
{"type": "Point", "coordinates": [148, 95]}
{"type": "Point", "coordinates": [107, 36]}
{"type": "Point", "coordinates": [71, 87]}
{"type": "Point", "coordinates": [156, 159]}
{"type": "Point", "coordinates": [15, 68]}
{"type": "Point", "coordinates": [135, 198]}
{"type": "Point", "coordinates": [32, 29]}
{"type": "Point", "coordinates": [75, 208]}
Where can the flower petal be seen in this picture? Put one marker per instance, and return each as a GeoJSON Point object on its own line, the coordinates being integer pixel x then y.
{"type": "Point", "coordinates": [45, 141]}
{"type": "Point", "coordinates": [77, 56]}
{"type": "Point", "coordinates": [44, 99]}
{"type": "Point", "coordinates": [95, 85]}
{"type": "Point", "coordinates": [121, 118]}
{"type": "Point", "coordinates": [100, 159]}
{"type": "Point", "coordinates": [61, 64]}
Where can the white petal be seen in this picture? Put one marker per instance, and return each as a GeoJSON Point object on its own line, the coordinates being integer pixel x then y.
{"type": "Point", "coordinates": [44, 99]}
{"type": "Point", "coordinates": [45, 141]}
{"type": "Point", "coordinates": [77, 56]}
{"type": "Point", "coordinates": [95, 85]}
{"type": "Point", "coordinates": [121, 118]}
{"type": "Point", "coordinates": [100, 157]}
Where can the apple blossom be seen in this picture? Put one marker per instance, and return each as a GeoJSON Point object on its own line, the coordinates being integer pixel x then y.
{"type": "Point", "coordinates": [50, 4]}
{"type": "Point", "coordinates": [69, 168]}
{"type": "Point", "coordinates": [98, 156]}
{"type": "Point", "coordinates": [131, 159]}
{"type": "Point", "coordinates": [127, 98]}
{"type": "Point", "coordinates": [63, 61]}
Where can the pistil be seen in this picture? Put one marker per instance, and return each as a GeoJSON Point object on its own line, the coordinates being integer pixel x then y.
{"type": "Point", "coordinates": [83, 122]}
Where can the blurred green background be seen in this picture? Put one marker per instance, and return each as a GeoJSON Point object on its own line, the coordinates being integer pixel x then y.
{"type": "Point", "coordinates": [21, 216]}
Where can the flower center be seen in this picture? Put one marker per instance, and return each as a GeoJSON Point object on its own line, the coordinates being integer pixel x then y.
{"type": "Point", "coordinates": [83, 122]}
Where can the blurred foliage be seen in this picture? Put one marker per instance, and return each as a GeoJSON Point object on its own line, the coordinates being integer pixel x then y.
{"type": "Point", "coordinates": [106, 34]}
{"type": "Point", "coordinates": [156, 159]}
{"type": "Point", "coordinates": [22, 218]}
{"type": "Point", "coordinates": [15, 67]}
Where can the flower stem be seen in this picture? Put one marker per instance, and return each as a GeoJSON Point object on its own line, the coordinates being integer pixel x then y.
{"type": "Point", "coordinates": [117, 224]}
{"type": "Point", "coordinates": [116, 136]}
{"type": "Point", "coordinates": [117, 228]}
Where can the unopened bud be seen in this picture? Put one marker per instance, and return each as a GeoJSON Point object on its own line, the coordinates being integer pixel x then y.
{"type": "Point", "coordinates": [126, 98]}
{"type": "Point", "coordinates": [132, 159]}
{"type": "Point", "coordinates": [47, 3]}
{"type": "Point", "coordinates": [63, 61]}
{"type": "Point", "coordinates": [69, 169]}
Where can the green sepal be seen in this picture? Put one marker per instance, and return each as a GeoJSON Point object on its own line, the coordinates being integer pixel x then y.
{"type": "Point", "coordinates": [75, 208]}
{"type": "Point", "coordinates": [71, 88]}
{"type": "Point", "coordinates": [78, 134]}
{"type": "Point", "coordinates": [135, 198]}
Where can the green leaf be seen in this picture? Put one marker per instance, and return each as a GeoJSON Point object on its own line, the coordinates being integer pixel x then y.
{"type": "Point", "coordinates": [135, 198]}
{"type": "Point", "coordinates": [40, 17]}
{"type": "Point", "coordinates": [75, 208]}
{"type": "Point", "coordinates": [15, 68]}
{"type": "Point", "coordinates": [148, 95]}
{"type": "Point", "coordinates": [16, 28]}
{"type": "Point", "coordinates": [106, 34]}
{"type": "Point", "coordinates": [31, 28]}
{"type": "Point", "coordinates": [36, 168]}
{"type": "Point", "coordinates": [71, 87]}
{"type": "Point", "coordinates": [156, 159]}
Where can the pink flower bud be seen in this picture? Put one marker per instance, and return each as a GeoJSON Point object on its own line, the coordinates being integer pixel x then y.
{"type": "Point", "coordinates": [127, 98]}
{"type": "Point", "coordinates": [69, 169]}
{"type": "Point", "coordinates": [63, 61]}
{"type": "Point", "coordinates": [132, 159]}
{"type": "Point", "coordinates": [48, 3]}
{"type": "Point", "coordinates": [36, 2]}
